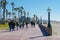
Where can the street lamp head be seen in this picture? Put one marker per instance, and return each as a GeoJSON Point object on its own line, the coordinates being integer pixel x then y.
{"type": "Point", "coordinates": [48, 9]}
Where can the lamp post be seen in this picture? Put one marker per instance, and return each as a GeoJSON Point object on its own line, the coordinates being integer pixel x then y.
{"type": "Point", "coordinates": [49, 24]}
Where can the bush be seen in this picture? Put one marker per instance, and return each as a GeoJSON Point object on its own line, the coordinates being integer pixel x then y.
{"type": "Point", "coordinates": [3, 26]}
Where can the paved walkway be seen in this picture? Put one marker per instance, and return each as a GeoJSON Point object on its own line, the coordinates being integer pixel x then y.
{"type": "Point", "coordinates": [30, 33]}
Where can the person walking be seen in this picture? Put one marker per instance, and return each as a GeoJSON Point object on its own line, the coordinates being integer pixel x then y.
{"type": "Point", "coordinates": [23, 24]}
{"type": "Point", "coordinates": [17, 25]}
{"type": "Point", "coordinates": [13, 25]}
{"type": "Point", "coordinates": [33, 23]}
{"type": "Point", "coordinates": [9, 23]}
{"type": "Point", "coordinates": [26, 24]}
{"type": "Point", "coordinates": [20, 24]}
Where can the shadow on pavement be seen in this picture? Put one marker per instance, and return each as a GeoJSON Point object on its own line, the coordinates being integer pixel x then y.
{"type": "Point", "coordinates": [42, 28]}
{"type": "Point", "coordinates": [36, 37]}
{"type": "Point", "coordinates": [4, 31]}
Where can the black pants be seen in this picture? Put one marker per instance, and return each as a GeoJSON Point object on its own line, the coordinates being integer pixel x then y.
{"type": "Point", "coordinates": [10, 28]}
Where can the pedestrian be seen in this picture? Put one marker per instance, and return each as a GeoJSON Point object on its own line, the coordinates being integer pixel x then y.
{"type": "Point", "coordinates": [17, 25]}
{"type": "Point", "coordinates": [26, 24]}
{"type": "Point", "coordinates": [34, 24]}
{"type": "Point", "coordinates": [13, 25]}
{"type": "Point", "coordinates": [9, 23]}
{"type": "Point", "coordinates": [23, 24]}
{"type": "Point", "coordinates": [31, 23]}
{"type": "Point", "coordinates": [20, 24]}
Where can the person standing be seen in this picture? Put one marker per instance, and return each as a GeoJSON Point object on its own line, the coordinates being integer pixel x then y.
{"type": "Point", "coordinates": [9, 23]}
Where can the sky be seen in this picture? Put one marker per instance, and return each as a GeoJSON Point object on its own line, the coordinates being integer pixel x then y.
{"type": "Point", "coordinates": [38, 7]}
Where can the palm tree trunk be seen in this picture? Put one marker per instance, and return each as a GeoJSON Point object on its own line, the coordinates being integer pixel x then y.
{"type": "Point", "coordinates": [18, 15]}
{"type": "Point", "coordinates": [4, 14]}
{"type": "Point", "coordinates": [12, 8]}
{"type": "Point", "coordinates": [13, 15]}
{"type": "Point", "coordinates": [21, 13]}
{"type": "Point", "coordinates": [9, 16]}
{"type": "Point", "coordinates": [24, 13]}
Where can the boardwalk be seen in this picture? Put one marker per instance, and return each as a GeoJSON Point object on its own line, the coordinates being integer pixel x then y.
{"type": "Point", "coordinates": [30, 33]}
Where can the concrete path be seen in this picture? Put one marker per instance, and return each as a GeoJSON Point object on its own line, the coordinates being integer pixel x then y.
{"type": "Point", "coordinates": [30, 33]}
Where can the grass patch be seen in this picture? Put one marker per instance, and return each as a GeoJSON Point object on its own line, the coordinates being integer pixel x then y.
{"type": "Point", "coordinates": [4, 26]}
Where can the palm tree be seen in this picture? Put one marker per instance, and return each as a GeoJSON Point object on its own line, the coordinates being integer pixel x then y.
{"type": "Point", "coordinates": [15, 18]}
{"type": "Point", "coordinates": [21, 9]}
{"type": "Point", "coordinates": [37, 18]}
{"type": "Point", "coordinates": [13, 14]}
{"type": "Point", "coordinates": [6, 13]}
{"type": "Point", "coordinates": [34, 15]}
{"type": "Point", "coordinates": [21, 12]}
{"type": "Point", "coordinates": [18, 9]}
{"type": "Point", "coordinates": [24, 13]}
{"type": "Point", "coordinates": [18, 13]}
{"type": "Point", "coordinates": [27, 14]}
{"type": "Point", "coordinates": [12, 4]}
{"type": "Point", "coordinates": [9, 14]}
{"type": "Point", "coordinates": [4, 3]}
{"type": "Point", "coordinates": [15, 9]}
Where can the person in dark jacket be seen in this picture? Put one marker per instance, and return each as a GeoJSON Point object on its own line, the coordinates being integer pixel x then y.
{"type": "Point", "coordinates": [31, 23]}
{"type": "Point", "coordinates": [23, 24]}
{"type": "Point", "coordinates": [9, 23]}
{"type": "Point", "coordinates": [26, 24]}
{"type": "Point", "coordinates": [13, 25]}
{"type": "Point", "coordinates": [34, 24]}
